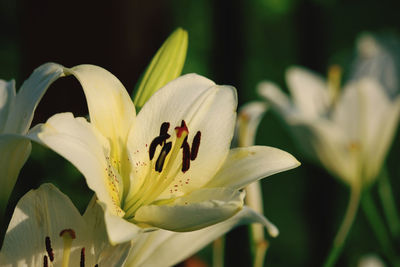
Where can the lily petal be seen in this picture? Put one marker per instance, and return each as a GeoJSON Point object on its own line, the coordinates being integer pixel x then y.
{"type": "Point", "coordinates": [249, 118]}
{"type": "Point", "coordinates": [107, 255]}
{"type": "Point", "coordinates": [380, 142]}
{"type": "Point", "coordinates": [309, 91]}
{"type": "Point", "coordinates": [245, 165]}
{"type": "Point", "coordinates": [28, 97]}
{"type": "Point", "coordinates": [118, 229]}
{"type": "Point", "coordinates": [7, 95]}
{"type": "Point", "coordinates": [164, 248]}
{"type": "Point", "coordinates": [110, 108]}
{"type": "Point", "coordinates": [76, 140]}
{"type": "Point", "coordinates": [335, 151]}
{"type": "Point", "coordinates": [14, 151]}
{"type": "Point", "coordinates": [199, 209]}
{"type": "Point", "coordinates": [275, 97]}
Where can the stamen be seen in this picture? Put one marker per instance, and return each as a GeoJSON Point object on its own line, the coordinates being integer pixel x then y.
{"type": "Point", "coordinates": [163, 154]}
{"type": "Point", "coordinates": [68, 235]}
{"type": "Point", "coordinates": [164, 128]}
{"type": "Point", "coordinates": [49, 249]}
{"type": "Point", "coordinates": [45, 261]}
{"type": "Point", "coordinates": [82, 261]}
{"type": "Point", "coordinates": [195, 146]}
{"type": "Point", "coordinates": [159, 140]}
{"type": "Point", "coordinates": [185, 155]}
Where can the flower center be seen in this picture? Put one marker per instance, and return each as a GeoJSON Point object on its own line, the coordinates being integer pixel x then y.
{"type": "Point", "coordinates": [68, 235]}
{"type": "Point", "coordinates": [165, 164]}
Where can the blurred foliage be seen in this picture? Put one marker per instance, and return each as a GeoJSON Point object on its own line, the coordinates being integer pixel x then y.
{"type": "Point", "coordinates": [232, 42]}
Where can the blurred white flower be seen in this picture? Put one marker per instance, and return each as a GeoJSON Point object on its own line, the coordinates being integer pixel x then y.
{"type": "Point", "coordinates": [370, 260]}
{"type": "Point", "coordinates": [377, 61]}
{"type": "Point", "coordinates": [349, 131]}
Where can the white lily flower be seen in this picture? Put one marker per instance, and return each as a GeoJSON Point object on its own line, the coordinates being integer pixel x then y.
{"type": "Point", "coordinates": [349, 133]}
{"type": "Point", "coordinates": [47, 230]}
{"type": "Point", "coordinates": [16, 113]}
{"type": "Point", "coordinates": [170, 166]}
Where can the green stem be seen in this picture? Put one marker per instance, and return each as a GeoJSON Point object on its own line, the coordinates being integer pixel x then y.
{"type": "Point", "coordinates": [378, 227]}
{"type": "Point", "coordinates": [388, 203]}
{"type": "Point", "coordinates": [218, 252]}
{"type": "Point", "coordinates": [344, 229]}
{"type": "Point", "coordinates": [259, 253]}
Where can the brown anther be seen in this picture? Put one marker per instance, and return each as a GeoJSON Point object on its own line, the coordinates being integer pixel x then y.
{"type": "Point", "coordinates": [45, 261]}
{"type": "Point", "coordinates": [164, 128]}
{"type": "Point", "coordinates": [195, 146]}
{"type": "Point", "coordinates": [159, 140]}
{"type": "Point", "coordinates": [185, 156]}
{"type": "Point", "coordinates": [163, 154]}
{"type": "Point", "coordinates": [82, 261]}
{"type": "Point", "coordinates": [49, 249]}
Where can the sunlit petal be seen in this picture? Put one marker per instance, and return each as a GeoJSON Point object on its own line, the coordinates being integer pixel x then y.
{"type": "Point", "coordinates": [248, 164]}
{"type": "Point", "coordinates": [199, 209]}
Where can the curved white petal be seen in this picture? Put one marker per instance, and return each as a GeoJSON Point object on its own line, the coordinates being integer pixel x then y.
{"type": "Point", "coordinates": [206, 108]}
{"type": "Point", "coordinates": [14, 151]}
{"type": "Point", "coordinates": [110, 108]}
{"type": "Point", "coordinates": [245, 165]}
{"type": "Point", "coordinates": [119, 230]}
{"type": "Point", "coordinates": [249, 118]}
{"type": "Point", "coordinates": [199, 209]}
{"type": "Point", "coordinates": [336, 151]}
{"type": "Point", "coordinates": [380, 142]}
{"type": "Point", "coordinates": [348, 113]}
{"type": "Point", "coordinates": [309, 91]}
{"type": "Point", "coordinates": [164, 248]}
{"type": "Point", "coordinates": [275, 97]}
{"type": "Point", "coordinates": [7, 95]}
{"type": "Point", "coordinates": [28, 97]}
{"type": "Point", "coordinates": [76, 140]}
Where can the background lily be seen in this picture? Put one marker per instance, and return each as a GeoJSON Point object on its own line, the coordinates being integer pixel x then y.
{"type": "Point", "coordinates": [47, 230]}
{"type": "Point", "coordinates": [16, 113]}
{"type": "Point", "coordinates": [348, 130]}
{"type": "Point", "coordinates": [170, 167]}
{"type": "Point", "coordinates": [350, 134]}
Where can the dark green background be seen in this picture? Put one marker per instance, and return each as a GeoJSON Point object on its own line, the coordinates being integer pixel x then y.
{"type": "Point", "coordinates": [232, 42]}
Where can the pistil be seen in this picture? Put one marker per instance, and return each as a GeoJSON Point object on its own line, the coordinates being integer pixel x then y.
{"type": "Point", "coordinates": [68, 236]}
